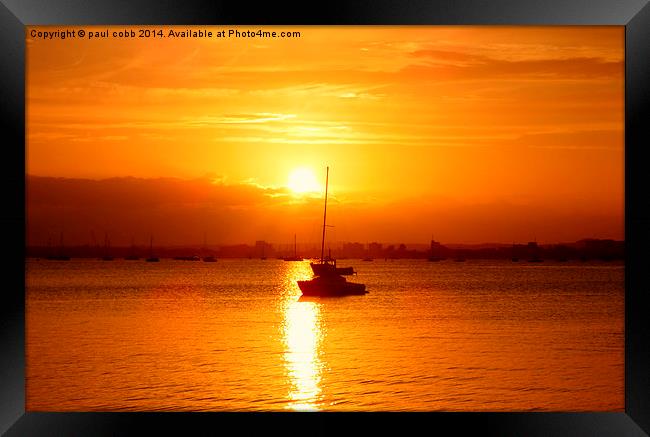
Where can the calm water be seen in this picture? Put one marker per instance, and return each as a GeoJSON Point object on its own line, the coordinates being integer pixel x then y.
{"type": "Point", "coordinates": [234, 335]}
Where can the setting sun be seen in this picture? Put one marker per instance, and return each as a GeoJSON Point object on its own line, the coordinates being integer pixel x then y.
{"type": "Point", "coordinates": [302, 180]}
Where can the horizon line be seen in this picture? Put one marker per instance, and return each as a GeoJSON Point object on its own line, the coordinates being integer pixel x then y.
{"type": "Point", "coordinates": [269, 242]}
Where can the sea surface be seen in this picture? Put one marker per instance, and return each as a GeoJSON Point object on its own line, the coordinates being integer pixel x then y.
{"type": "Point", "coordinates": [235, 335]}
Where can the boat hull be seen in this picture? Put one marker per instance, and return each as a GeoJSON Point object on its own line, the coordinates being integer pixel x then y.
{"type": "Point", "coordinates": [325, 287]}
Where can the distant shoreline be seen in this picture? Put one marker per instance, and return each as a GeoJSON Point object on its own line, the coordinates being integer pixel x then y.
{"type": "Point", "coordinates": [587, 249]}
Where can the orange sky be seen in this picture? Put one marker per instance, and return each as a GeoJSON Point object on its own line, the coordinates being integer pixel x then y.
{"type": "Point", "coordinates": [471, 134]}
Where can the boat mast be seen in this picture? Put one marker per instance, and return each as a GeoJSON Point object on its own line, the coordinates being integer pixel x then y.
{"type": "Point", "coordinates": [322, 247]}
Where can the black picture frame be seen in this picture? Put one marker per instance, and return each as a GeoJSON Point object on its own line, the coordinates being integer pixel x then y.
{"type": "Point", "coordinates": [633, 14]}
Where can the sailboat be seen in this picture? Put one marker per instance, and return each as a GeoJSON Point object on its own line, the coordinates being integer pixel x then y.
{"type": "Point", "coordinates": [327, 281]}
{"type": "Point", "coordinates": [152, 259]}
{"type": "Point", "coordinates": [295, 256]}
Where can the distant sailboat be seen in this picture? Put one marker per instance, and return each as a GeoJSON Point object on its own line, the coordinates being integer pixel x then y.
{"type": "Point", "coordinates": [328, 282]}
{"type": "Point", "coordinates": [152, 259]}
{"type": "Point", "coordinates": [295, 256]}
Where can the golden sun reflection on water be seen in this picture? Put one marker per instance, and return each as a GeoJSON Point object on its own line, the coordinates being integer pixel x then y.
{"type": "Point", "coordinates": [302, 336]}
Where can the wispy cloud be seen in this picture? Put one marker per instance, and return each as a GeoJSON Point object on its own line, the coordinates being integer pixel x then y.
{"type": "Point", "coordinates": [262, 117]}
{"type": "Point", "coordinates": [457, 65]}
{"type": "Point", "coordinates": [316, 90]}
{"type": "Point", "coordinates": [100, 138]}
